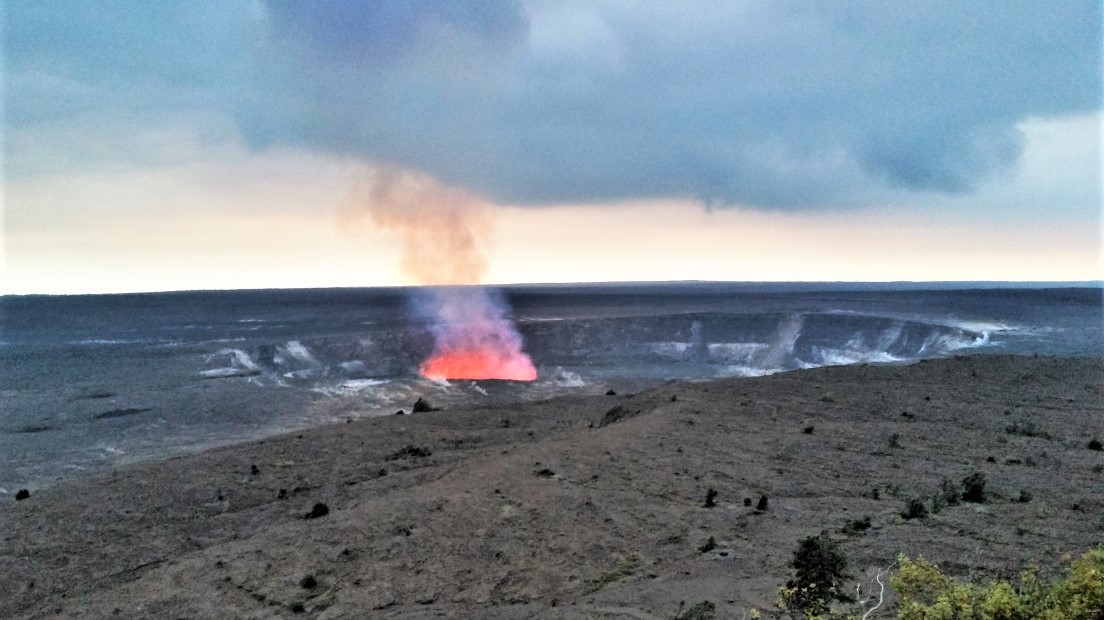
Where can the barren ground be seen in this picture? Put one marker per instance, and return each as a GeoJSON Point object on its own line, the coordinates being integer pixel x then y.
{"type": "Point", "coordinates": [542, 510]}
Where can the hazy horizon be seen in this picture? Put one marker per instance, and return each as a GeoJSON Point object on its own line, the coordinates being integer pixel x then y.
{"type": "Point", "coordinates": [767, 285]}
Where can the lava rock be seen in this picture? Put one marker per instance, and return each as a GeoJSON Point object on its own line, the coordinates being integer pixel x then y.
{"type": "Point", "coordinates": [319, 510]}
{"type": "Point", "coordinates": [410, 451]}
{"type": "Point", "coordinates": [616, 414]}
{"type": "Point", "coordinates": [422, 405]}
{"type": "Point", "coordinates": [22, 494]}
{"type": "Point", "coordinates": [121, 413]}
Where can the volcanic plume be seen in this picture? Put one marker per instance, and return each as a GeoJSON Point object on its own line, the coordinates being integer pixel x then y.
{"type": "Point", "coordinates": [440, 229]}
{"type": "Point", "coordinates": [473, 337]}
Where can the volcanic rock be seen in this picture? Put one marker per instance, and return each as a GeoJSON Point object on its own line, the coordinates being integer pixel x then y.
{"type": "Point", "coordinates": [422, 405]}
{"type": "Point", "coordinates": [410, 451]}
{"type": "Point", "coordinates": [22, 494]}
{"type": "Point", "coordinates": [616, 414]}
{"type": "Point", "coordinates": [121, 413]}
{"type": "Point", "coordinates": [319, 510]}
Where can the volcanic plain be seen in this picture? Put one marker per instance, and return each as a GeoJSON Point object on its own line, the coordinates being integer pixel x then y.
{"type": "Point", "coordinates": [618, 506]}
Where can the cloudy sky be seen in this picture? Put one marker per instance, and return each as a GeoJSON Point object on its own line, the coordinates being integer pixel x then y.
{"type": "Point", "coordinates": [184, 145]}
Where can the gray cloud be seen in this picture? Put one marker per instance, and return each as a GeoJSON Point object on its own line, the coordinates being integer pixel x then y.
{"type": "Point", "coordinates": [769, 104]}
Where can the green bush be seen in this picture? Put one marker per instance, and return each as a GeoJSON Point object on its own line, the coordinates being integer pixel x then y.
{"type": "Point", "coordinates": [857, 527]}
{"type": "Point", "coordinates": [924, 593]}
{"type": "Point", "coordinates": [704, 610]}
{"type": "Point", "coordinates": [973, 488]}
{"type": "Point", "coordinates": [949, 492]}
{"type": "Point", "coordinates": [914, 509]}
{"type": "Point", "coordinates": [819, 572]}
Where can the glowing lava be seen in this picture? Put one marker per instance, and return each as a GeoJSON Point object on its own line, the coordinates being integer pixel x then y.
{"type": "Point", "coordinates": [473, 336]}
{"type": "Point", "coordinates": [487, 364]}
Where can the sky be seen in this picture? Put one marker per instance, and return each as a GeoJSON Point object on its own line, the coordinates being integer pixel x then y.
{"type": "Point", "coordinates": [228, 144]}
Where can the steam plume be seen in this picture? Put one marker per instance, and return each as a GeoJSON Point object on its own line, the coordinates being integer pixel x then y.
{"type": "Point", "coordinates": [440, 229]}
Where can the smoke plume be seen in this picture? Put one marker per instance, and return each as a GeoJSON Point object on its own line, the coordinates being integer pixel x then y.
{"type": "Point", "coordinates": [440, 228]}
{"type": "Point", "coordinates": [440, 231]}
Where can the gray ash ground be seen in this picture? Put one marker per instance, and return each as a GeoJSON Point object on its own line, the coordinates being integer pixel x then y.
{"type": "Point", "coordinates": [560, 509]}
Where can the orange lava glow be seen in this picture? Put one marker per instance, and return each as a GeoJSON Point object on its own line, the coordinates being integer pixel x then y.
{"type": "Point", "coordinates": [483, 364]}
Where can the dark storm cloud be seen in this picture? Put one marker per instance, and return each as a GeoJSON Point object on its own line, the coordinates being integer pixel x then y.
{"type": "Point", "coordinates": [772, 104]}
{"type": "Point", "coordinates": [370, 32]}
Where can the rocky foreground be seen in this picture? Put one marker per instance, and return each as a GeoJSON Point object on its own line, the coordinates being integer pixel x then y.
{"type": "Point", "coordinates": [617, 506]}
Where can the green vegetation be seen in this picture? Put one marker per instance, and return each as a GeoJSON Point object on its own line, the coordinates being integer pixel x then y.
{"type": "Point", "coordinates": [625, 567]}
{"type": "Point", "coordinates": [924, 593]}
{"type": "Point", "coordinates": [973, 488]}
{"type": "Point", "coordinates": [857, 527]}
{"type": "Point", "coordinates": [949, 492]}
{"type": "Point", "coordinates": [819, 572]}
{"type": "Point", "coordinates": [914, 509]}
{"type": "Point", "coordinates": [1026, 429]}
{"type": "Point", "coordinates": [704, 610]}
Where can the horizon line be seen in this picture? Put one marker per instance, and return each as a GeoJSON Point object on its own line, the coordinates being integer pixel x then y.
{"type": "Point", "coordinates": [964, 284]}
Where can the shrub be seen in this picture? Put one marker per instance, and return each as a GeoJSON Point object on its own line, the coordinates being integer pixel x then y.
{"type": "Point", "coordinates": [1026, 429]}
{"type": "Point", "coordinates": [704, 610]}
{"type": "Point", "coordinates": [973, 488]}
{"type": "Point", "coordinates": [819, 572]}
{"type": "Point", "coordinates": [949, 492]}
{"type": "Point", "coordinates": [625, 567]}
{"type": "Point", "coordinates": [710, 497]}
{"type": "Point", "coordinates": [924, 593]}
{"type": "Point", "coordinates": [914, 509]}
{"type": "Point", "coordinates": [857, 527]}
{"type": "Point", "coordinates": [937, 504]}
